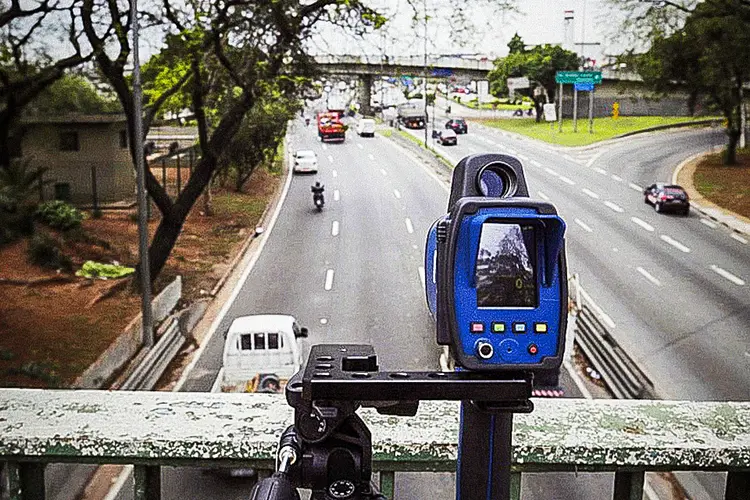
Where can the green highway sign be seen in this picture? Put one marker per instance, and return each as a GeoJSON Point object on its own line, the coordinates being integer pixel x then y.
{"type": "Point", "coordinates": [594, 77]}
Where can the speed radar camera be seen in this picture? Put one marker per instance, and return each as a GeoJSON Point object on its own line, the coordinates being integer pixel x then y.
{"type": "Point", "coordinates": [496, 272]}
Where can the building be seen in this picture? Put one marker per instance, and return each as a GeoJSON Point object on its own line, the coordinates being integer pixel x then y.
{"type": "Point", "coordinates": [86, 156]}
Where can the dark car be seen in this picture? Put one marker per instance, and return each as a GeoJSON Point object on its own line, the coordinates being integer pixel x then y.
{"type": "Point", "coordinates": [447, 137]}
{"type": "Point", "coordinates": [667, 198]}
{"type": "Point", "coordinates": [458, 125]}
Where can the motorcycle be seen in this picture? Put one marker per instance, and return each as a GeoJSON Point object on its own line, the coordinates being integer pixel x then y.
{"type": "Point", "coordinates": [307, 122]}
{"type": "Point", "coordinates": [318, 201]}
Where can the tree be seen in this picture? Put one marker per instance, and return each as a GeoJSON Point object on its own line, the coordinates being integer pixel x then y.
{"type": "Point", "coordinates": [710, 57]}
{"type": "Point", "coordinates": [71, 94]}
{"type": "Point", "coordinates": [539, 64]}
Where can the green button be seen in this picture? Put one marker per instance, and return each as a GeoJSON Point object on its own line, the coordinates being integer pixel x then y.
{"type": "Point", "coordinates": [498, 327]}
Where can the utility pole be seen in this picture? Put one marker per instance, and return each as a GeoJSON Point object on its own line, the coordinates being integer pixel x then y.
{"type": "Point", "coordinates": [147, 318]}
{"type": "Point", "coordinates": [424, 86]}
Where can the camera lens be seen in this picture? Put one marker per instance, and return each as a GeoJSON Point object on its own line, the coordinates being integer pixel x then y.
{"type": "Point", "coordinates": [496, 180]}
{"type": "Point", "coordinates": [484, 350]}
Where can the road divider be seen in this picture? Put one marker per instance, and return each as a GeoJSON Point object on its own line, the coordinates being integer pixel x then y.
{"type": "Point", "coordinates": [329, 280]}
{"type": "Point", "coordinates": [726, 274]}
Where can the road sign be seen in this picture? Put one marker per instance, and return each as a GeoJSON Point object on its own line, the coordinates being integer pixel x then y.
{"type": "Point", "coordinates": [442, 72]}
{"type": "Point", "coordinates": [594, 77]}
{"type": "Point", "coordinates": [550, 113]}
{"type": "Point", "coordinates": [584, 87]}
{"type": "Point", "coordinates": [518, 83]}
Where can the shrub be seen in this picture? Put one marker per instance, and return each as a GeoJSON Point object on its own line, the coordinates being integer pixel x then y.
{"type": "Point", "coordinates": [45, 251]}
{"type": "Point", "coordinates": [59, 215]}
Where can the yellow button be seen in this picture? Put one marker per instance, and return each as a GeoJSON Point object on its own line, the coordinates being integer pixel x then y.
{"type": "Point", "coordinates": [540, 327]}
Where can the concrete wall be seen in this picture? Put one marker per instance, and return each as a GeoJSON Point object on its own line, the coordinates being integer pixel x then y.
{"type": "Point", "coordinates": [99, 148]}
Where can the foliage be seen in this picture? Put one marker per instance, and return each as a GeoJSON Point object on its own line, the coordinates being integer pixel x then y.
{"type": "Point", "coordinates": [71, 94]}
{"type": "Point", "coordinates": [94, 270]}
{"type": "Point", "coordinates": [19, 186]}
{"type": "Point", "coordinates": [45, 251]}
{"type": "Point", "coordinates": [60, 215]}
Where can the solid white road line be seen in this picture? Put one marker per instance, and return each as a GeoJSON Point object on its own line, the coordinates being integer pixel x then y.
{"type": "Point", "coordinates": [383, 172]}
{"type": "Point", "coordinates": [360, 146]}
{"type": "Point", "coordinates": [329, 279]}
{"type": "Point", "coordinates": [679, 246]}
{"type": "Point", "coordinates": [614, 206]}
{"type": "Point", "coordinates": [584, 225]}
{"type": "Point", "coordinates": [739, 238]}
{"type": "Point", "coordinates": [617, 178]}
{"type": "Point", "coordinates": [535, 163]}
{"type": "Point", "coordinates": [396, 194]}
{"type": "Point", "coordinates": [645, 225]}
{"type": "Point", "coordinates": [370, 156]}
{"type": "Point", "coordinates": [605, 317]}
{"type": "Point", "coordinates": [648, 276]}
{"type": "Point", "coordinates": [567, 181]}
{"type": "Point", "coordinates": [590, 193]}
{"type": "Point", "coordinates": [409, 226]}
{"type": "Point", "coordinates": [542, 195]}
{"type": "Point", "coordinates": [335, 228]}
{"type": "Point", "coordinates": [635, 187]}
{"type": "Point", "coordinates": [708, 223]}
{"type": "Point", "coordinates": [336, 195]}
{"type": "Point", "coordinates": [334, 173]}
{"type": "Point", "coordinates": [421, 275]}
{"type": "Point", "coordinates": [330, 158]}
{"type": "Point", "coordinates": [601, 171]}
{"type": "Point", "coordinates": [551, 172]}
{"type": "Point", "coordinates": [726, 274]}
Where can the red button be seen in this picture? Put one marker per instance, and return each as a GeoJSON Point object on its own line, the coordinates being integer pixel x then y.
{"type": "Point", "coordinates": [533, 349]}
{"type": "Point", "coordinates": [477, 327]}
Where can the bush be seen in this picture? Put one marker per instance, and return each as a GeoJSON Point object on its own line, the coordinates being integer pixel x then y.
{"type": "Point", "coordinates": [59, 215]}
{"type": "Point", "coordinates": [45, 251]}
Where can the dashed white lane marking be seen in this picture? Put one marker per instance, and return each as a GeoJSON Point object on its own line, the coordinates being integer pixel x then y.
{"type": "Point", "coordinates": [421, 275]}
{"type": "Point", "coordinates": [708, 223]}
{"type": "Point", "coordinates": [336, 195]}
{"type": "Point", "coordinates": [360, 146]}
{"type": "Point", "coordinates": [409, 226]}
{"type": "Point", "coordinates": [617, 208]}
{"type": "Point", "coordinates": [512, 151]}
{"type": "Point", "coordinates": [739, 238]}
{"type": "Point", "coordinates": [330, 158]}
{"type": "Point", "coordinates": [726, 274]}
{"type": "Point", "coordinates": [329, 279]}
{"type": "Point", "coordinates": [324, 146]}
{"type": "Point", "coordinates": [335, 228]}
{"type": "Point", "coordinates": [584, 225]}
{"type": "Point", "coordinates": [645, 225]}
{"type": "Point", "coordinates": [601, 171]}
{"type": "Point", "coordinates": [535, 163]}
{"type": "Point", "coordinates": [679, 246]}
{"type": "Point", "coordinates": [617, 178]}
{"type": "Point", "coordinates": [370, 156]}
{"type": "Point", "coordinates": [383, 172]}
{"type": "Point", "coordinates": [396, 194]}
{"type": "Point", "coordinates": [635, 187]}
{"type": "Point", "coordinates": [551, 172]}
{"type": "Point", "coordinates": [523, 157]}
{"type": "Point", "coordinates": [323, 321]}
{"type": "Point", "coordinates": [567, 181]}
{"type": "Point", "coordinates": [590, 193]}
{"type": "Point", "coordinates": [648, 276]}
{"type": "Point", "coordinates": [569, 158]}
{"type": "Point", "coordinates": [334, 173]}
{"type": "Point", "coordinates": [542, 195]}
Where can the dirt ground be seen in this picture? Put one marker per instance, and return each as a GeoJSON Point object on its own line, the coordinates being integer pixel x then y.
{"type": "Point", "coordinates": [51, 330]}
{"type": "Point", "coordinates": [727, 186]}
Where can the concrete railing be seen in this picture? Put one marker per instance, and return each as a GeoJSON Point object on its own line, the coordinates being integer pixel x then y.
{"type": "Point", "coordinates": [154, 429]}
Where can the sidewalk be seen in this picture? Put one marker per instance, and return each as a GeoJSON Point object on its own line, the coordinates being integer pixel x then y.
{"type": "Point", "coordinates": [683, 175]}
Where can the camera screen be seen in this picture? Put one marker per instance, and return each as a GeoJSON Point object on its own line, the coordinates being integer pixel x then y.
{"type": "Point", "coordinates": [506, 266]}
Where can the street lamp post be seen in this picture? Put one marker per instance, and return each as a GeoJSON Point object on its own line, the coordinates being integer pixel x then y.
{"type": "Point", "coordinates": [424, 86]}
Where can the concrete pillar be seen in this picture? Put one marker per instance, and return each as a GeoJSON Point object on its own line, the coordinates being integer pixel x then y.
{"type": "Point", "coordinates": [365, 93]}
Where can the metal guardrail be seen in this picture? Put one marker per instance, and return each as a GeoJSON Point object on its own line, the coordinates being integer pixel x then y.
{"type": "Point", "coordinates": [148, 372]}
{"type": "Point", "coordinates": [620, 372]}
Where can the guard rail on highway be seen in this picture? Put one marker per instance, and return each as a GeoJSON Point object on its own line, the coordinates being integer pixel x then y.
{"type": "Point", "coordinates": [623, 376]}
{"type": "Point", "coordinates": [155, 362]}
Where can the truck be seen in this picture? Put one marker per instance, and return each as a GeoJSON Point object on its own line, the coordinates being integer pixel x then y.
{"type": "Point", "coordinates": [411, 114]}
{"type": "Point", "coordinates": [330, 127]}
{"type": "Point", "coordinates": [261, 353]}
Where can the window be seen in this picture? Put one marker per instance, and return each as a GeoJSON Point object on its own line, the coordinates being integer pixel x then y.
{"type": "Point", "coordinates": [246, 342]}
{"type": "Point", "coordinates": [123, 139]}
{"type": "Point", "coordinates": [273, 340]}
{"type": "Point", "coordinates": [260, 341]}
{"type": "Point", "coordinates": [69, 141]}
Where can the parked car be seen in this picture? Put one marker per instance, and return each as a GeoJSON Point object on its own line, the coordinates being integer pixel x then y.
{"type": "Point", "coordinates": [366, 127]}
{"type": "Point", "coordinates": [305, 161]}
{"type": "Point", "coordinates": [667, 198]}
{"type": "Point", "coordinates": [447, 137]}
{"type": "Point", "coordinates": [458, 125]}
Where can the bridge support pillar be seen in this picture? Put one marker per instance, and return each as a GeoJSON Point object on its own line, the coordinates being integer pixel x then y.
{"type": "Point", "coordinates": [365, 93]}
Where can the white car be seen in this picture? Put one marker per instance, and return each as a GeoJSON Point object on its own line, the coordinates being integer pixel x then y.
{"type": "Point", "coordinates": [305, 161]}
{"type": "Point", "coordinates": [366, 127]}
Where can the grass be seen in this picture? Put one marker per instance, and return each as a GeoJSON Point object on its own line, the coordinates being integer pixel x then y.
{"type": "Point", "coordinates": [420, 143]}
{"type": "Point", "coordinates": [726, 185]}
{"type": "Point", "coordinates": [505, 106]}
{"type": "Point", "coordinates": [604, 128]}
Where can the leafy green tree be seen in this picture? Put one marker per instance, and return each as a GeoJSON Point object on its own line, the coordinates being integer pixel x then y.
{"type": "Point", "coordinates": [71, 94]}
{"type": "Point", "coordinates": [539, 64]}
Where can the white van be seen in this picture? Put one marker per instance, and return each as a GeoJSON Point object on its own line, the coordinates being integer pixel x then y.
{"type": "Point", "coordinates": [261, 353]}
{"type": "Point", "coordinates": [366, 127]}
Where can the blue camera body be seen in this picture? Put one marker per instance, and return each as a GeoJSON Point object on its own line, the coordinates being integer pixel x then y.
{"type": "Point", "coordinates": [496, 281]}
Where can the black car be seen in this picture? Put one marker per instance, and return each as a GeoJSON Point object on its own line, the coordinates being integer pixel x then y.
{"type": "Point", "coordinates": [458, 125]}
{"type": "Point", "coordinates": [667, 198]}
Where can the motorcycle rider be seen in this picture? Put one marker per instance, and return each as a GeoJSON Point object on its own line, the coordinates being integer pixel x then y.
{"type": "Point", "coordinates": [317, 190]}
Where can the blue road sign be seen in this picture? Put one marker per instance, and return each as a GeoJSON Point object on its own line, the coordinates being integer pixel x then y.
{"type": "Point", "coordinates": [584, 87]}
{"type": "Point", "coordinates": [442, 72]}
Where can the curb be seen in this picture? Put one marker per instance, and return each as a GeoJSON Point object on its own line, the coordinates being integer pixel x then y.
{"type": "Point", "coordinates": [697, 206]}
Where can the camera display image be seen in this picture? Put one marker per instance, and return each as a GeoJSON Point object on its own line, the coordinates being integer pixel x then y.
{"type": "Point", "coordinates": [506, 266]}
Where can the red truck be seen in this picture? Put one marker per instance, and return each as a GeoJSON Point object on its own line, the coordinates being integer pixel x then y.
{"type": "Point", "coordinates": [330, 127]}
